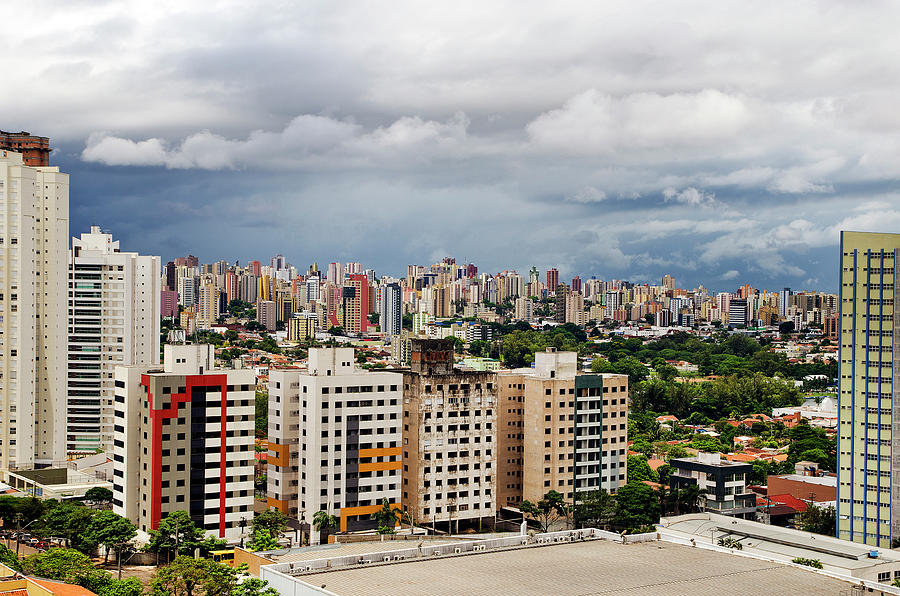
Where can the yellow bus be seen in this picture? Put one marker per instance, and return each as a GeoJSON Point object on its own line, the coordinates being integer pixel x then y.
{"type": "Point", "coordinates": [225, 557]}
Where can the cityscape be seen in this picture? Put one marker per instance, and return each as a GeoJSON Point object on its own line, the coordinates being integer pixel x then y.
{"type": "Point", "coordinates": [496, 300]}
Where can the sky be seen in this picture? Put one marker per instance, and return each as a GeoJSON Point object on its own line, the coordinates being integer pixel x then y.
{"type": "Point", "coordinates": [721, 142]}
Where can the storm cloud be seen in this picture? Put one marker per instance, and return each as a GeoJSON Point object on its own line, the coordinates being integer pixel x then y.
{"type": "Point", "coordinates": [720, 142]}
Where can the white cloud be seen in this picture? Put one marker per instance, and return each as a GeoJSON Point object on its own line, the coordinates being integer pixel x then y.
{"type": "Point", "coordinates": [587, 194]}
{"type": "Point", "coordinates": [731, 274]}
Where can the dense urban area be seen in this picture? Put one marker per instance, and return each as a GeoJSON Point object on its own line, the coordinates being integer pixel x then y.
{"type": "Point", "coordinates": [188, 427]}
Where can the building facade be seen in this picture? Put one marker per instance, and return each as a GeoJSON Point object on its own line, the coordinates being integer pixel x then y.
{"type": "Point", "coordinates": [184, 441]}
{"type": "Point", "coordinates": [722, 483]}
{"type": "Point", "coordinates": [449, 439]}
{"type": "Point", "coordinates": [868, 490]}
{"type": "Point", "coordinates": [114, 320]}
{"type": "Point", "coordinates": [560, 430]}
{"type": "Point", "coordinates": [35, 150]}
{"type": "Point", "coordinates": [334, 440]}
{"type": "Point", "coordinates": [34, 237]}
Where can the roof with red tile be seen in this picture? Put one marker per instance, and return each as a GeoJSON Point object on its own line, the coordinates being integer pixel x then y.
{"type": "Point", "coordinates": [789, 500]}
{"type": "Point", "coordinates": [61, 589]}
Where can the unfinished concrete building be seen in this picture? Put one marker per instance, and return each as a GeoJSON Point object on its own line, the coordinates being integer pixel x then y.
{"type": "Point", "coordinates": [449, 440]}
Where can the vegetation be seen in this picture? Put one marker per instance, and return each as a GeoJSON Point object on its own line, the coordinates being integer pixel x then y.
{"type": "Point", "coordinates": [387, 517]}
{"type": "Point", "coordinates": [730, 542]}
{"type": "Point", "coordinates": [177, 534]}
{"type": "Point", "coordinates": [262, 540]}
{"type": "Point", "coordinates": [186, 576]}
{"type": "Point", "coordinates": [819, 520]}
{"type": "Point", "coordinates": [549, 510]}
{"type": "Point", "coordinates": [262, 414]}
{"type": "Point", "coordinates": [324, 521]}
{"type": "Point", "coordinates": [272, 521]}
{"type": "Point", "coordinates": [808, 562]}
{"type": "Point", "coordinates": [73, 567]}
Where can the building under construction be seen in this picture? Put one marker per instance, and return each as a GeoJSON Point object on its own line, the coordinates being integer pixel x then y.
{"type": "Point", "coordinates": [35, 150]}
{"type": "Point", "coordinates": [449, 440]}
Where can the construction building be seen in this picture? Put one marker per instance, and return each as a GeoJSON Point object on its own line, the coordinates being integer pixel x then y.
{"type": "Point", "coordinates": [449, 439]}
{"type": "Point", "coordinates": [334, 440]}
{"type": "Point", "coordinates": [35, 150]}
{"type": "Point", "coordinates": [183, 441]}
{"type": "Point", "coordinates": [560, 430]}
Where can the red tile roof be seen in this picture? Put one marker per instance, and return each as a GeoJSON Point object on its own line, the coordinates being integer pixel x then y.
{"type": "Point", "coordinates": [789, 500]}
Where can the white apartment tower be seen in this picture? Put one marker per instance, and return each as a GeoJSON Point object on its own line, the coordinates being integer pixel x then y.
{"type": "Point", "coordinates": [34, 234]}
{"type": "Point", "coordinates": [113, 321]}
{"type": "Point", "coordinates": [334, 440]}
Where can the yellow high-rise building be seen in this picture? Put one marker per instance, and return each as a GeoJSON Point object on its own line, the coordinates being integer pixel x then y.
{"type": "Point", "coordinates": [868, 509]}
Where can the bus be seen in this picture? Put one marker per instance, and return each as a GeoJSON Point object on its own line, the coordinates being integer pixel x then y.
{"type": "Point", "coordinates": [225, 557]}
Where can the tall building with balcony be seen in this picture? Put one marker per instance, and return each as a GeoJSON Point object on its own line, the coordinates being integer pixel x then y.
{"type": "Point", "coordinates": [114, 320]}
{"type": "Point", "coordinates": [391, 309]}
{"type": "Point", "coordinates": [722, 483]}
{"type": "Point", "coordinates": [560, 430]}
{"type": "Point", "coordinates": [183, 441]}
{"type": "Point", "coordinates": [868, 490]}
{"type": "Point", "coordinates": [34, 237]}
{"type": "Point", "coordinates": [449, 439]}
{"type": "Point", "coordinates": [334, 440]}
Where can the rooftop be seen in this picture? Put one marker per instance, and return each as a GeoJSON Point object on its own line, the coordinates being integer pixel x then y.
{"type": "Point", "coordinates": [592, 567]}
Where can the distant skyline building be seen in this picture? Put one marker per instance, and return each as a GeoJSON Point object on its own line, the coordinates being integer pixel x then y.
{"type": "Point", "coordinates": [552, 279]}
{"type": "Point", "coordinates": [114, 321]}
{"type": "Point", "coordinates": [391, 319]}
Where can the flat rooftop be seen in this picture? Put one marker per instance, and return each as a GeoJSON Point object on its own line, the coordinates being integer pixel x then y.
{"type": "Point", "coordinates": [822, 480]}
{"type": "Point", "coordinates": [579, 569]}
{"type": "Point", "coordinates": [311, 553]}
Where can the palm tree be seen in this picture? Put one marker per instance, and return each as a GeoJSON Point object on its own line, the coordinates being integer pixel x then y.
{"type": "Point", "coordinates": [322, 521]}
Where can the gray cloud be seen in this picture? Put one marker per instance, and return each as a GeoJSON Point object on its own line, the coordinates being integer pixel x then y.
{"type": "Point", "coordinates": [597, 138]}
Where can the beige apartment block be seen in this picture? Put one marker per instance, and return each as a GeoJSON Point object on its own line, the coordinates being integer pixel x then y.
{"type": "Point", "coordinates": [334, 440]}
{"type": "Point", "coordinates": [34, 237]}
{"type": "Point", "coordinates": [449, 439]}
{"type": "Point", "coordinates": [560, 430]}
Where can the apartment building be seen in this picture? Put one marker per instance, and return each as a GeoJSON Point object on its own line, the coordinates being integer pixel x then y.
{"type": "Point", "coordinates": [35, 150]}
{"type": "Point", "coordinates": [868, 490]}
{"type": "Point", "coordinates": [722, 483]}
{"type": "Point", "coordinates": [449, 439]}
{"type": "Point", "coordinates": [34, 236]}
{"type": "Point", "coordinates": [334, 440]}
{"type": "Point", "coordinates": [560, 430]}
{"type": "Point", "coordinates": [114, 320]}
{"type": "Point", "coordinates": [184, 441]}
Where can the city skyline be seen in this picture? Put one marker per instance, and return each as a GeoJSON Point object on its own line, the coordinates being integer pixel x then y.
{"type": "Point", "coordinates": [659, 139]}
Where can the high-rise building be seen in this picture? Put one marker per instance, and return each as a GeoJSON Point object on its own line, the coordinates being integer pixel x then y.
{"type": "Point", "coordinates": [208, 305]}
{"type": "Point", "coordinates": [34, 236]}
{"type": "Point", "coordinates": [868, 490]}
{"type": "Point", "coordinates": [183, 441]}
{"type": "Point", "coordinates": [576, 284]}
{"type": "Point", "coordinates": [168, 303]}
{"type": "Point", "coordinates": [188, 291]}
{"type": "Point", "coordinates": [255, 268]}
{"type": "Point", "coordinates": [552, 279]}
{"type": "Point", "coordinates": [334, 440]}
{"type": "Point", "coordinates": [784, 301]}
{"type": "Point", "coordinates": [170, 275]}
{"type": "Point", "coordinates": [560, 430]}
{"type": "Point", "coordinates": [356, 304]}
{"type": "Point", "coordinates": [737, 312]}
{"type": "Point", "coordinates": [114, 317]}
{"type": "Point", "coordinates": [265, 314]}
{"type": "Point", "coordinates": [35, 150]}
{"type": "Point", "coordinates": [449, 439]}
{"type": "Point", "coordinates": [391, 309]}
{"type": "Point", "coordinates": [668, 282]}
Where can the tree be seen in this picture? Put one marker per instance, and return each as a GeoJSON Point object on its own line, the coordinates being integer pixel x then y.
{"type": "Point", "coordinates": [99, 494]}
{"type": "Point", "coordinates": [387, 517]}
{"type": "Point", "coordinates": [547, 511]}
{"type": "Point", "coordinates": [67, 520]}
{"type": "Point", "coordinates": [178, 534]}
{"type": "Point", "coordinates": [639, 469]}
{"type": "Point", "coordinates": [9, 558]}
{"type": "Point", "coordinates": [61, 564]}
{"type": "Point", "coordinates": [112, 531]}
{"type": "Point", "coordinates": [186, 576]}
{"type": "Point", "coordinates": [262, 414]}
{"type": "Point", "coordinates": [595, 509]}
{"type": "Point", "coordinates": [667, 373]}
{"type": "Point", "coordinates": [262, 540]}
{"type": "Point", "coordinates": [273, 521]}
{"type": "Point", "coordinates": [637, 505]}
{"type": "Point", "coordinates": [322, 521]}
{"type": "Point", "coordinates": [819, 520]}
